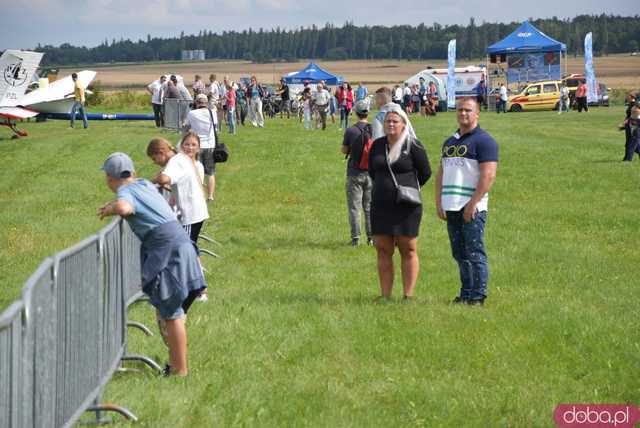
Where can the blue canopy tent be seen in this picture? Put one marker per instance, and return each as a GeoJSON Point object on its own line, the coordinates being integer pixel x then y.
{"type": "Point", "coordinates": [530, 55]}
{"type": "Point", "coordinates": [313, 74]}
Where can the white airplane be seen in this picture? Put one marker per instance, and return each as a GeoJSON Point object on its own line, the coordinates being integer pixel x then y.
{"type": "Point", "coordinates": [18, 69]}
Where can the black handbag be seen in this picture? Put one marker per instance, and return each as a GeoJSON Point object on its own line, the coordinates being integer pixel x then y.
{"type": "Point", "coordinates": [405, 195]}
{"type": "Point", "coordinates": [221, 151]}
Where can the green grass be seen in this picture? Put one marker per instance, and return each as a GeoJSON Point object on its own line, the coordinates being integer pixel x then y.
{"type": "Point", "coordinates": [291, 337]}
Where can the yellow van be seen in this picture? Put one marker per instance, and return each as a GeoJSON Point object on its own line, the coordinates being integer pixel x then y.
{"type": "Point", "coordinates": [536, 96]}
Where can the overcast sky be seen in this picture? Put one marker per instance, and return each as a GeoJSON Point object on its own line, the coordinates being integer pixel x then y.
{"type": "Point", "coordinates": [25, 23]}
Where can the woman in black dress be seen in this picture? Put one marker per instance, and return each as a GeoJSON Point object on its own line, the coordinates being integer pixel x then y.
{"type": "Point", "coordinates": [396, 224]}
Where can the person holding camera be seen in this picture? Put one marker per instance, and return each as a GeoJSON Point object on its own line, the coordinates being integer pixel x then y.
{"type": "Point", "coordinates": [399, 167]}
{"type": "Point", "coordinates": [203, 122]}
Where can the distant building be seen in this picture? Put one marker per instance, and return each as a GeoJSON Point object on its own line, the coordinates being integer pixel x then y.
{"type": "Point", "coordinates": [193, 55]}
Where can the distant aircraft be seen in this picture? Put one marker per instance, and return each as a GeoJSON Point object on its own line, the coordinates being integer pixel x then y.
{"type": "Point", "coordinates": [18, 69]}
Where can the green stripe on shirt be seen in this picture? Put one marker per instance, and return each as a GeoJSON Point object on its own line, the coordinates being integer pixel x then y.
{"type": "Point", "coordinates": [453, 186]}
{"type": "Point", "coordinates": [453, 192]}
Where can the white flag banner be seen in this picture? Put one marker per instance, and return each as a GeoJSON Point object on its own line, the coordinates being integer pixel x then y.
{"type": "Point", "coordinates": [451, 75]}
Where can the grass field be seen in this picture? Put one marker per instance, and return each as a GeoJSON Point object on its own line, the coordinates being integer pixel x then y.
{"type": "Point", "coordinates": [617, 71]}
{"type": "Point", "coordinates": [291, 336]}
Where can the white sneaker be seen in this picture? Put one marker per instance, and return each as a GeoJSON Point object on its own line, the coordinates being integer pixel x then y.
{"type": "Point", "coordinates": [202, 298]}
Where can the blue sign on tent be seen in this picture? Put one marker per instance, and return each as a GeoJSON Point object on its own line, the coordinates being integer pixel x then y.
{"type": "Point", "coordinates": [312, 73]}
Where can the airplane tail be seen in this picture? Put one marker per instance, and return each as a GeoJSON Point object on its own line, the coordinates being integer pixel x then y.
{"type": "Point", "coordinates": [16, 71]}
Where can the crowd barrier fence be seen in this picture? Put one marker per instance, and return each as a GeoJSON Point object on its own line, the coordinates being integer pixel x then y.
{"type": "Point", "coordinates": [65, 337]}
{"type": "Point", "coordinates": [175, 113]}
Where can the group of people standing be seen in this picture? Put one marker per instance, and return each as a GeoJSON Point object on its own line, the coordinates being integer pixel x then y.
{"type": "Point", "coordinates": [420, 98]}
{"type": "Point", "coordinates": [232, 102]}
{"type": "Point", "coordinates": [319, 102]}
{"type": "Point", "coordinates": [387, 167]}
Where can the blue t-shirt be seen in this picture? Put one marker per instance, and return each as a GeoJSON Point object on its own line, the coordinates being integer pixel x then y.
{"type": "Point", "coordinates": [477, 145]}
{"type": "Point", "coordinates": [361, 93]}
{"type": "Point", "coordinates": [150, 209]}
{"type": "Point", "coordinates": [254, 92]}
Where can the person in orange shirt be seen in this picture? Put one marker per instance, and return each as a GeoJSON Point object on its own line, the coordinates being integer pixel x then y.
{"type": "Point", "coordinates": [581, 97]}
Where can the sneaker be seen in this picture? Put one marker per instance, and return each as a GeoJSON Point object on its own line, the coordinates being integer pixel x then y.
{"type": "Point", "coordinates": [202, 297]}
{"type": "Point", "coordinates": [354, 242]}
{"type": "Point", "coordinates": [370, 241]}
{"type": "Point", "coordinates": [408, 299]}
{"type": "Point", "coordinates": [166, 372]}
{"type": "Point", "coordinates": [476, 302]}
{"type": "Point", "coordinates": [458, 300]}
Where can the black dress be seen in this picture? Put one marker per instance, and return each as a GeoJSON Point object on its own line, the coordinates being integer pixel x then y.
{"type": "Point", "coordinates": [387, 216]}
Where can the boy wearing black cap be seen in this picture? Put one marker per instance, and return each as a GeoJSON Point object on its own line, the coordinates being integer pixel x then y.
{"type": "Point", "coordinates": [171, 274]}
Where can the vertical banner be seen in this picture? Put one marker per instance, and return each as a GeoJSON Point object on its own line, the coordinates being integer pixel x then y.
{"type": "Point", "coordinates": [451, 76]}
{"type": "Point", "coordinates": [589, 73]}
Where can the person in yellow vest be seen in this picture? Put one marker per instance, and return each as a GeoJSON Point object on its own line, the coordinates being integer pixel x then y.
{"type": "Point", "coordinates": [78, 104]}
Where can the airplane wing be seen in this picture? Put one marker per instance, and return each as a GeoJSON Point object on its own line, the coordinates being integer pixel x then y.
{"type": "Point", "coordinates": [17, 113]}
{"type": "Point", "coordinates": [58, 90]}
{"type": "Point", "coordinates": [16, 71]}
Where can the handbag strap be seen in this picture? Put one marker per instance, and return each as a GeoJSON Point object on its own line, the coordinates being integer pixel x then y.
{"type": "Point", "coordinates": [393, 176]}
{"type": "Point", "coordinates": [215, 132]}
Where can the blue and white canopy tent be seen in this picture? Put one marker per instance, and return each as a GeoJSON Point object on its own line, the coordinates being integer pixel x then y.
{"type": "Point", "coordinates": [529, 54]}
{"type": "Point", "coordinates": [312, 73]}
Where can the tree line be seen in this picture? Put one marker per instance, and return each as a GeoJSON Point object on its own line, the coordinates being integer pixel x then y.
{"type": "Point", "coordinates": [611, 34]}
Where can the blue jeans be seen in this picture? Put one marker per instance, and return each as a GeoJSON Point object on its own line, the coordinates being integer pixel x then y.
{"type": "Point", "coordinates": [344, 117]}
{"type": "Point", "coordinates": [467, 248]}
{"type": "Point", "coordinates": [231, 120]}
{"type": "Point", "coordinates": [78, 107]}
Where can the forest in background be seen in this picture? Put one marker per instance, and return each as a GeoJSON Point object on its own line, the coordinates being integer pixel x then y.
{"type": "Point", "coordinates": [611, 34]}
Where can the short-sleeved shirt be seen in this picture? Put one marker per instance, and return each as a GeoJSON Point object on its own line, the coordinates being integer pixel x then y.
{"type": "Point", "coordinates": [78, 92]}
{"type": "Point", "coordinates": [231, 98]}
{"type": "Point", "coordinates": [184, 92]}
{"type": "Point", "coordinates": [157, 89]}
{"type": "Point", "coordinates": [186, 187]}
{"type": "Point", "coordinates": [285, 92]}
{"type": "Point", "coordinates": [361, 93]}
{"type": "Point", "coordinates": [503, 93]}
{"type": "Point", "coordinates": [214, 91]}
{"type": "Point", "coordinates": [354, 136]}
{"type": "Point", "coordinates": [322, 97]}
{"type": "Point", "coordinates": [150, 209]}
{"type": "Point", "coordinates": [198, 87]}
{"type": "Point", "coordinates": [199, 120]}
{"type": "Point", "coordinates": [461, 159]}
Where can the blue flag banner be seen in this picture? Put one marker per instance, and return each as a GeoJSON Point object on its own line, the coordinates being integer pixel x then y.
{"type": "Point", "coordinates": [589, 73]}
{"type": "Point", "coordinates": [451, 75]}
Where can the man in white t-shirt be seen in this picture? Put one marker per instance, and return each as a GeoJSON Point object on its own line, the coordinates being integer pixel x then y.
{"type": "Point", "coordinates": [216, 96]}
{"type": "Point", "coordinates": [156, 89]}
{"type": "Point", "coordinates": [203, 122]}
{"type": "Point", "coordinates": [321, 101]}
{"type": "Point", "coordinates": [502, 100]}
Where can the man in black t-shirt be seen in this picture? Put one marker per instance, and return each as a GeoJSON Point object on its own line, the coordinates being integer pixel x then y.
{"type": "Point", "coordinates": [285, 103]}
{"type": "Point", "coordinates": [356, 144]}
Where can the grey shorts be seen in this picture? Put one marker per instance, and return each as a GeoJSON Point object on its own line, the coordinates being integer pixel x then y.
{"type": "Point", "coordinates": [209, 163]}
